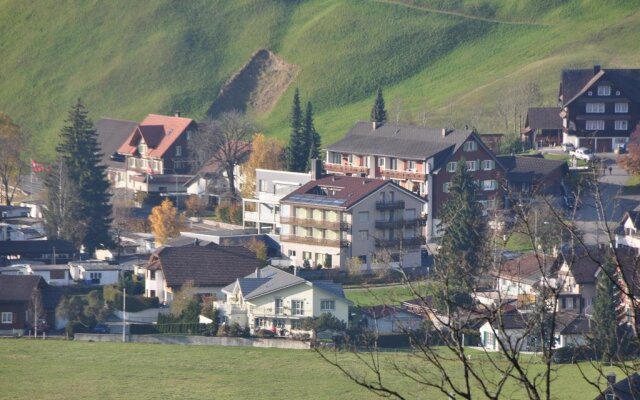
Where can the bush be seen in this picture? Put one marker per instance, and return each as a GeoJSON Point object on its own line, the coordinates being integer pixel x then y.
{"type": "Point", "coordinates": [235, 330]}
{"type": "Point", "coordinates": [223, 330]}
{"type": "Point", "coordinates": [134, 303]}
{"type": "Point", "coordinates": [143, 329]}
{"type": "Point", "coordinates": [265, 333]}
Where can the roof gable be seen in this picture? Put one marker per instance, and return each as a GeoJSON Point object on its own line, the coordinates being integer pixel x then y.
{"type": "Point", "coordinates": [18, 287]}
{"type": "Point", "coordinates": [160, 132]}
{"type": "Point", "coordinates": [544, 118]}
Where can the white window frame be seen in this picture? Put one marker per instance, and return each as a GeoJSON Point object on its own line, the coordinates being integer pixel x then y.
{"type": "Point", "coordinates": [470, 145]}
{"type": "Point", "coordinates": [472, 165]}
{"type": "Point", "coordinates": [381, 162]}
{"type": "Point", "coordinates": [363, 234]}
{"type": "Point", "coordinates": [595, 108]}
{"type": "Point", "coordinates": [365, 161]}
{"type": "Point", "coordinates": [622, 108]}
{"type": "Point", "coordinates": [621, 125]}
{"type": "Point", "coordinates": [336, 158]}
{"type": "Point", "coordinates": [412, 166]}
{"type": "Point", "coordinates": [296, 324]}
{"type": "Point", "coordinates": [393, 163]}
{"type": "Point", "coordinates": [446, 186]}
{"type": "Point", "coordinates": [7, 317]}
{"type": "Point", "coordinates": [594, 124]}
{"type": "Point", "coordinates": [489, 184]}
{"type": "Point", "coordinates": [350, 159]}
{"type": "Point", "coordinates": [488, 165]}
{"type": "Point", "coordinates": [132, 162]}
{"type": "Point", "coordinates": [327, 305]}
{"type": "Point", "coordinates": [452, 166]}
{"type": "Point", "coordinates": [295, 310]}
{"type": "Point", "coordinates": [279, 309]}
{"type": "Point", "coordinates": [604, 90]}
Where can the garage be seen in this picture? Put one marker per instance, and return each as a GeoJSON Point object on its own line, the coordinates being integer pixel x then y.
{"type": "Point", "coordinates": [588, 143]}
{"type": "Point", "coordinates": [604, 146]}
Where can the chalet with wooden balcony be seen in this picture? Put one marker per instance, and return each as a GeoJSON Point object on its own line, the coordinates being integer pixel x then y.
{"type": "Point", "coordinates": [157, 147]}
{"type": "Point", "coordinates": [334, 219]}
{"type": "Point", "coordinates": [419, 159]}
{"type": "Point", "coordinates": [543, 127]}
{"type": "Point", "coordinates": [600, 107]}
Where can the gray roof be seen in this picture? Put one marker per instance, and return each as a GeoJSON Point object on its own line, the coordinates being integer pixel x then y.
{"type": "Point", "coordinates": [577, 81]}
{"type": "Point", "coordinates": [397, 140]}
{"type": "Point", "coordinates": [331, 287]}
{"type": "Point", "coordinates": [96, 266]}
{"type": "Point", "coordinates": [111, 134]}
{"type": "Point", "coordinates": [529, 168]}
{"type": "Point", "coordinates": [544, 118]}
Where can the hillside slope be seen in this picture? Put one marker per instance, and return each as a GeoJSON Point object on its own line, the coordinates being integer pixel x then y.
{"type": "Point", "coordinates": [440, 62]}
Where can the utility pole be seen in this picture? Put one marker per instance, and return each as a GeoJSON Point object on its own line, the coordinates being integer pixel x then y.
{"type": "Point", "coordinates": [124, 314]}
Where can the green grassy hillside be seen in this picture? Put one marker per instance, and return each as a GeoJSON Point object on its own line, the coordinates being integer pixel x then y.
{"type": "Point", "coordinates": [443, 61]}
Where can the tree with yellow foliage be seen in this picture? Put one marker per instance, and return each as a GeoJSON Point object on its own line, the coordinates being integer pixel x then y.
{"type": "Point", "coordinates": [266, 153]}
{"type": "Point", "coordinates": [165, 221]}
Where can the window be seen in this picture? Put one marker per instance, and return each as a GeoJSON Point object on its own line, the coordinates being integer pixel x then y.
{"type": "Point", "coordinates": [445, 187]}
{"type": "Point", "coordinates": [7, 317]}
{"type": "Point", "coordinates": [278, 323]}
{"type": "Point", "coordinates": [363, 235]}
{"type": "Point", "coordinates": [279, 306]}
{"type": "Point", "coordinates": [292, 253]}
{"type": "Point", "coordinates": [152, 293]}
{"type": "Point", "coordinates": [132, 162]}
{"type": "Point", "coordinates": [261, 322]}
{"type": "Point", "coordinates": [178, 151]}
{"type": "Point", "coordinates": [336, 158]}
{"type": "Point", "coordinates": [489, 185]}
{"type": "Point", "coordinates": [604, 90]}
{"type": "Point", "coordinates": [622, 107]}
{"type": "Point", "coordinates": [451, 166]}
{"type": "Point", "coordinates": [58, 274]}
{"type": "Point", "coordinates": [412, 166]}
{"type": "Point", "coordinates": [363, 216]}
{"type": "Point", "coordinates": [327, 305]}
{"type": "Point", "coordinates": [471, 145]}
{"type": "Point", "coordinates": [594, 124]}
{"type": "Point", "coordinates": [488, 165]}
{"type": "Point", "coordinates": [472, 165]}
{"type": "Point", "coordinates": [393, 163]}
{"type": "Point", "coordinates": [381, 162]}
{"type": "Point", "coordinates": [365, 161]}
{"type": "Point", "coordinates": [595, 107]}
{"type": "Point", "coordinates": [297, 307]}
{"type": "Point", "coordinates": [296, 324]}
{"type": "Point", "coordinates": [350, 159]}
{"type": "Point", "coordinates": [152, 275]}
{"type": "Point", "coordinates": [262, 185]}
{"type": "Point", "coordinates": [155, 165]}
{"type": "Point", "coordinates": [142, 148]}
{"type": "Point", "coordinates": [621, 125]}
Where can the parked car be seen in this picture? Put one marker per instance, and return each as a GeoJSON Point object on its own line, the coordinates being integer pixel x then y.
{"type": "Point", "coordinates": [567, 147]}
{"type": "Point", "coordinates": [582, 153]}
{"type": "Point", "coordinates": [101, 328]}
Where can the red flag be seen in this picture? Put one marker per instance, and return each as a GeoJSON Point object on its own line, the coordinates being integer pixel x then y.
{"type": "Point", "coordinates": [149, 170]}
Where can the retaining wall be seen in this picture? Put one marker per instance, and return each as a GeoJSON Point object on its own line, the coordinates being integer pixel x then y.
{"type": "Point", "coordinates": [196, 340]}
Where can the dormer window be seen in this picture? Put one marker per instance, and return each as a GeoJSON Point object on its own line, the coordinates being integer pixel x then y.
{"type": "Point", "coordinates": [142, 148]}
{"type": "Point", "coordinates": [470, 146]}
{"type": "Point", "coordinates": [604, 90]}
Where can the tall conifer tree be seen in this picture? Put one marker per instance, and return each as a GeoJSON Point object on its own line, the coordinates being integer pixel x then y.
{"type": "Point", "coordinates": [297, 151]}
{"type": "Point", "coordinates": [81, 182]}
{"type": "Point", "coordinates": [378, 112]}
{"type": "Point", "coordinates": [604, 321]}
{"type": "Point", "coordinates": [313, 137]}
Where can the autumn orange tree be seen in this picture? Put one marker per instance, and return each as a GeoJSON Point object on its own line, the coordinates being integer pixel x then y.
{"type": "Point", "coordinates": [265, 153]}
{"type": "Point", "coordinates": [631, 160]}
{"type": "Point", "coordinates": [165, 221]}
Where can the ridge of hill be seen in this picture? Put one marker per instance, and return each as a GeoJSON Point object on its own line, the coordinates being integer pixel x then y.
{"type": "Point", "coordinates": [440, 62]}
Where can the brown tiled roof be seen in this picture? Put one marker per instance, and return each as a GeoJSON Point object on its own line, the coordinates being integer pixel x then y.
{"type": "Point", "coordinates": [18, 287]}
{"type": "Point", "coordinates": [172, 129]}
{"type": "Point", "coordinates": [544, 118]}
{"type": "Point", "coordinates": [210, 265]}
{"type": "Point", "coordinates": [527, 266]}
{"type": "Point", "coordinates": [336, 191]}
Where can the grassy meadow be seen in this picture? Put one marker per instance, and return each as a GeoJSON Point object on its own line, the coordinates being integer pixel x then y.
{"type": "Point", "coordinates": [440, 62]}
{"type": "Point", "coordinates": [57, 369]}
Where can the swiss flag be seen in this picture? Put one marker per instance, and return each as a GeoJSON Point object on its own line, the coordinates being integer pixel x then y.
{"type": "Point", "coordinates": [149, 170]}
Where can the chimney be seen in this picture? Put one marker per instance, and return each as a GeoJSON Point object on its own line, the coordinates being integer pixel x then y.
{"type": "Point", "coordinates": [316, 169]}
{"type": "Point", "coordinates": [611, 379]}
{"type": "Point", "coordinates": [258, 272]}
{"type": "Point", "coordinates": [176, 114]}
{"type": "Point", "coordinates": [444, 132]}
{"type": "Point", "coordinates": [596, 69]}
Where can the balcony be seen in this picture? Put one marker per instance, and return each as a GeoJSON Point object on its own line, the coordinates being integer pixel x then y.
{"type": "Point", "coordinates": [389, 205]}
{"type": "Point", "coordinates": [403, 175]}
{"type": "Point", "coordinates": [314, 241]}
{"type": "Point", "coordinates": [401, 223]}
{"type": "Point", "coordinates": [346, 169]}
{"type": "Point", "coordinates": [408, 243]}
{"type": "Point", "coordinates": [229, 308]}
{"type": "Point", "coordinates": [313, 223]}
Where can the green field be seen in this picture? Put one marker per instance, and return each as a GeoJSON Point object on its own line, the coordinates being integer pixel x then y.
{"type": "Point", "coordinates": [371, 296]}
{"type": "Point", "coordinates": [57, 369]}
{"type": "Point", "coordinates": [446, 60]}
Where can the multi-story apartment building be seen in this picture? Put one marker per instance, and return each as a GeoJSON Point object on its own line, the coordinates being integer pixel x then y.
{"type": "Point", "coordinates": [263, 210]}
{"type": "Point", "coordinates": [600, 107]}
{"type": "Point", "coordinates": [333, 219]}
{"type": "Point", "coordinates": [418, 159]}
{"type": "Point", "coordinates": [156, 154]}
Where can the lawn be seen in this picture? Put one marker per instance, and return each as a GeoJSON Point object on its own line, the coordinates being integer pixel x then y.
{"type": "Point", "coordinates": [632, 186]}
{"type": "Point", "coordinates": [57, 369]}
{"type": "Point", "coordinates": [374, 295]}
{"type": "Point", "coordinates": [519, 242]}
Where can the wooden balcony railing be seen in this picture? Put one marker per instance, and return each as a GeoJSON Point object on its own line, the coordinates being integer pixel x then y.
{"type": "Point", "coordinates": [346, 169]}
{"type": "Point", "coordinates": [314, 241]}
{"type": "Point", "coordinates": [409, 175]}
{"type": "Point", "coordinates": [314, 223]}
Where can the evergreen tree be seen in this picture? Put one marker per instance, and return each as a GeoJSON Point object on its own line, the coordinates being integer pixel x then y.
{"type": "Point", "coordinates": [313, 137]}
{"type": "Point", "coordinates": [378, 112]}
{"type": "Point", "coordinates": [78, 188]}
{"type": "Point", "coordinates": [460, 260]}
{"type": "Point", "coordinates": [604, 320]}
{"type": "Point", "coordinates": [297, 151]}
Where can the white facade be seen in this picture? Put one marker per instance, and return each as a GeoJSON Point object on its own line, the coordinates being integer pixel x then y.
{"type": "Point", "coordinates": [156, 286]}
{"type": "Point", "coordinates": [398, 322]}
{"type": "Point", "coordinates": [54, 275]}
{"type": "Point", "coordinates": [95, 273]}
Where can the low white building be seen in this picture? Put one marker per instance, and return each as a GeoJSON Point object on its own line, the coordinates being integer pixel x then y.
{"type": "Point", "coordinates": [277, 300]}
{"type": "Point", "coordinates": [627, 232]}
{"type": "Point", "coordinates": [53, 274]}
{"type": "Point", "coordinates": [94, 272]}
{"type": "Point", "coordinates": [385, 320]}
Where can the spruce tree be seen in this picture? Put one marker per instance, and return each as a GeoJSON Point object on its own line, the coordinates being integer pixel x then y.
{"type": "Point", "coordinates": [313, 137]}
{"type": "Point", "coordinates": [460, 261]}
{"type": "Point", "coordinates": [378, 112]}
{"type": "Point", "coordinates": [604, 320]}
{"type": "Point", "coordinates": [297, 151]}
{"type": "Point", "coordinates": [81, 180]}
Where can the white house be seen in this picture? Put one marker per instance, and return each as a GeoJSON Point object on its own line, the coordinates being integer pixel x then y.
{"type": "Point", "coordinates": [94, 272]}
{"type": "Point", "coordinates": [517, 278]}
{"type": "Point", "coordinates": [277, 300]}
{"type": "Point", "coordinates": [385, 319]}
{"type": "Point", "coordinates": [53, 274]}
{"type": "Point", "coordinates": [627, 232]}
